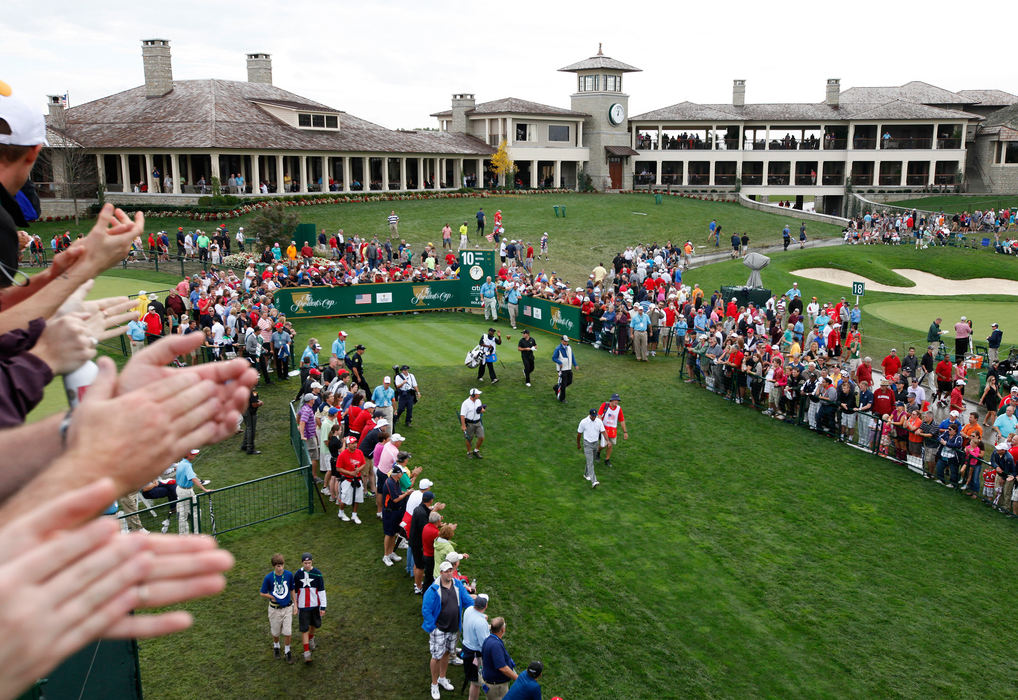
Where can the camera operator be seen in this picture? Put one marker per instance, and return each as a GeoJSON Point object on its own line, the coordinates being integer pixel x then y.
{"type": "Point", "coordinates": [471, 412]}
{"type": "Point", "coordinates": [407, 393]}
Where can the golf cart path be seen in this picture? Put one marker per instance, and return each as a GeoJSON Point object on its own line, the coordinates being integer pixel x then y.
{"type": "Point", "coordinates": [925, 283]}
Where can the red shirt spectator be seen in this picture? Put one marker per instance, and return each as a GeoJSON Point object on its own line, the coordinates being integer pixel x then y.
{"type": "Point", "coordinates": [732, 310]}
{"type": "Point", "coordinates": [883, 400]}
{"type": "Point", "coordinates": [428, 535]}
{"type": "Point", "coordinates": [943, 370]}
{"type": "Point", "coordinates": [864, 372]}
{"type": "Point", "coordinates": [891, 364]}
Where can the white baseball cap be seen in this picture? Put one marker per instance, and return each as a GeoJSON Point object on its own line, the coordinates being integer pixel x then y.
{"type": "Point", "coordinates": [425, 484]}
{"type": "Point", "coordinates": [27, 127]}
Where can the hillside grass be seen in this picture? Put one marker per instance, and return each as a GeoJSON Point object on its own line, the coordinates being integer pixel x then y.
{"type": "Point", "coordinates": [724, 555]}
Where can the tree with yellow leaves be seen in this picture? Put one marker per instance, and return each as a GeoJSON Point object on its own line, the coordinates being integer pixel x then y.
{"type": "Point", "coordinates": [502, 166]}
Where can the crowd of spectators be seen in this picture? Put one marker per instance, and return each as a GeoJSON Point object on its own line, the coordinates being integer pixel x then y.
{"type": "Point", "coordinates": [923, 229]}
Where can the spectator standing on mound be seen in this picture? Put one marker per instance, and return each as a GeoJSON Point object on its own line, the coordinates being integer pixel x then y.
{"type": "Point", "coordinates": [309, 595]}
{"type": "Point", "coordinates": [993, 343]}
{"type": "Point", "coordinates": [277, 588]}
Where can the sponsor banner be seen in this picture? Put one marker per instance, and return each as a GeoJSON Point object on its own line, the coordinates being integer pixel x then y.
{"type": "Point", "coordinates": [312, 302]}
{"type": "Point", "coordinates": [551, 316]}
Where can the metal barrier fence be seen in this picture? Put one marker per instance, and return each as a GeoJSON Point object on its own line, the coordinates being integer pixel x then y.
{"type": "Point", "coordinates": [865, 431]}
{"type": "Point", "coordinates": [230, 508]}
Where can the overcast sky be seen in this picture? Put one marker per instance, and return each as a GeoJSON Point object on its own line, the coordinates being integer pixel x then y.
{"type": "Point", "coordinates": [394, 62]}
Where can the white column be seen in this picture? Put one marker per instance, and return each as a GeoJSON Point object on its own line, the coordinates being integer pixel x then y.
{"type": "Point", "coordinates": [279, 174]}
{"type": "Point", "coordinates": [558, 174]}
{"type": "Point", "coordinates": [904, 172]}
{"type": "Point", "coordinates": [365, 174]}
{"type": "Point", "coordinates": [479, 173]}
{"type": "Point", "coordinates": [256, 175]}
{"type": "Point", "coordinates": [214, 163]}
{"type": "Point", "coordinates": [303, 174]}
{"type": "Point", "coordinates": [579, 134]}
{"type": "Point", "coordinates": [880, 141]}
{"type": "Point", "coordinates": [932, 172]}
{"type": "Point", "coordinates": [487, 131]}
{"type": "Point", "coordinates": [385, 174]}
{"type": "Point", "coordinates": [710, 175]}
{"type": "Point", "coordinates": [175, 160]}
{"type": "Point", "coordinates": [420, 173]}
{"type": "Point", "coordinates": [533, 174]}
{"type": "Point", "coordinates": [457, 173]}
{"type": "Point", "coordinates": [933, 142]}
{"type": "Point", "coordinates": [148, 172]}
{"type": "Point", "coordinates": [346, 173]}
{"type": "Point", "coordinates": [657, 176]}
{"type": "Point", "coordinates": [660, 132]}
{"type": "Point", "coordinates": [125, 172]}
{"type": "Point", "coordinates": [100, 169]}
{"type": "Point", "coordinates": [326, 173]}
{"type": "Point", "coordinates": [851, 136]}
{"type": "Point", "coordinates": [685, 173]}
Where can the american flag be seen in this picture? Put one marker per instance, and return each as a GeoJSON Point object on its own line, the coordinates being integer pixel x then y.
{"type": "Point", "coordinates": [362, 299]}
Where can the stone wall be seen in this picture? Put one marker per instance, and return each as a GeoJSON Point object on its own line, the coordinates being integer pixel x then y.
{"type": "Point", "coordinates": [792, 213]}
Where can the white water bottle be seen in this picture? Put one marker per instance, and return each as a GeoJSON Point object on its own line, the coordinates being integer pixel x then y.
{"type": "Point", "coordinates": [78, 381]}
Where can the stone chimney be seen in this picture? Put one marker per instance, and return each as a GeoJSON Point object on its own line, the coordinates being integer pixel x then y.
{"type": "Point", "coordinates": [155, 54]}
{"type": "Point", "coordinates": [461, 104]}
{"type": "Point", "coordinates": [259, 68]}
{"type": "Point", "coordinates": [738, 93]}
{"type": "Point", "coordinates": [57, 116]}
{"type": "Point", "coordinates": [833, 92]}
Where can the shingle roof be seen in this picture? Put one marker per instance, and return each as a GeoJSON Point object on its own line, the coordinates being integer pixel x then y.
{"type": "Point", "coordinates": [514, 105]}
{"type": "Point", "coordinates": [224, 114]}
{"type": "Point", "coordinates": [989, 98]}
{"type": "Point", "coordinates": [893, 109]}
{"type": "Point", "coordinates": [600, 62]}
{"type": "Point", "coordinates": [57, 138]}
{"type": "Point", "coordinates": [914, 91]}
{"type": "Point", "coordinates": [1008, 116]}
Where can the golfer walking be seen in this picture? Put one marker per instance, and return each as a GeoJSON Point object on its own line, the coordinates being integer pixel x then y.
{"type": "Point", "coordinates": [589, 434]}
{"type": "Point", "coordinates": [566, 362]}
{"type": "Point", "coordinates": [471, 412]}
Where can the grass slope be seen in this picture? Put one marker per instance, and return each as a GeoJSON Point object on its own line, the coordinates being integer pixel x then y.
{"type": "Point", "coordinates": [723, 556]}
{"type": "Point", "coordinates": [596, 226]}
{"type": "Point", "coordinates": [958, 204]}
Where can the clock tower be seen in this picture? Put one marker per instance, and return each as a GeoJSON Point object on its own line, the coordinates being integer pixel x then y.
{"type": "Point", "coordinates": [606, 129]}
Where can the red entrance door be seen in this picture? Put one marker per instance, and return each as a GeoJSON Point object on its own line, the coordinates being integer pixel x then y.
{"type": "Point", "coordinates": [615, 171]}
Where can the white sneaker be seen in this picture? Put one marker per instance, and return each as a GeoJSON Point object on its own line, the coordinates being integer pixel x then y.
{"type": "Point", "coordinates": [586, 477]}
{"type": "Point", "coordinates": [434, 692]}
{"type": "Point", "coordinates": [395, 557]}
{"type": "Point", "coordinates": [387, 561]}
{"type": "Point", "coordinates": [594, 483]}
{"type": "Point", "coordinates": [528, 383]}
{"type": "Point", "coordinates": [343, 516]}
{"type": "Point", "coordinates": [378, 515]}
{"type": "Point", "coordinates": [166, 527]}
{"type": "Point", "coordinates": [402, 545]}
{"type": "Point", "coordinates": [455, 661]}
{"type": "Point", "coordinates": [355, 519]}
{"type": "Point", "coordinates": [444, 682]}
{"type": "Point", "coordinates": [325, 489]}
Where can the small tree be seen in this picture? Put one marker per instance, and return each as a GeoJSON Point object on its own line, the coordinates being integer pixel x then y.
{"type": "Point", "coordinates": [275, 225]}
{"type": "Point", "coordinates": [502, 166]}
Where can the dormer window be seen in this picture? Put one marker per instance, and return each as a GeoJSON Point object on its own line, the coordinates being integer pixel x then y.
{"type": "Point", "coordinates": [307, 120]}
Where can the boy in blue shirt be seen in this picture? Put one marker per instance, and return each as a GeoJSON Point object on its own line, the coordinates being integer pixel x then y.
{"type": "Point", "coordinates": [277, 588]}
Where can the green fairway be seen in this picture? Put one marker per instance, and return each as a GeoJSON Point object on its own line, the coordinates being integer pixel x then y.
{"type": "Point", "coordinates": [596, 226]}
{"type": "Point", "coordinates": [957, 204]}
{"type": "Point", "coordinates": [918, 314]}
{"type": "Point", "coordinates": [724, 555]}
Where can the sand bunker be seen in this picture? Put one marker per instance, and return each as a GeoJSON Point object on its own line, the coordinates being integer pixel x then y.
{"type": "Point", "coordinates": [925, 283]}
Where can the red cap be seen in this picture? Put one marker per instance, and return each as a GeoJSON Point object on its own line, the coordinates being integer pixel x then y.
{"type": "Point", "coordinates": [315, 373]}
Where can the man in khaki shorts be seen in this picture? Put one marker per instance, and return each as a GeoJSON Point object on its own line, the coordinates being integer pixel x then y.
{"type": "Point", "coordinates": [471, 413]}
{"type": "Point", "coordinates": [277, 588]}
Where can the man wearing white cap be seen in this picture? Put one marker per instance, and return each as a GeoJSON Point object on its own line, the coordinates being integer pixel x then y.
{"type": "Point", "coordinates": [471, 412]}
{"type": "Point", "coordinates": [589, 434]}
{"type": "Point", "coordinates": [565, 361]}
{"type": "Point", "coordinates": [187, 482]}
{"type": "Point", "coordinates": [382, 397]}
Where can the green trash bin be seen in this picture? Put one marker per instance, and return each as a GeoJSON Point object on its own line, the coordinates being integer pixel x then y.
{"type": "Point", "coordinates": [658, 199]}
{"type": "Point", "coordinates": [555, 207]}
{"type": "Point", "coordinates": [260, 268]}
{"type": "Point", "coordinates": [563, 208]}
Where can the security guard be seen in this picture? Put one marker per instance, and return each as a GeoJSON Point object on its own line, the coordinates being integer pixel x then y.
{"type": "Point", "coordinates": [407, 394]}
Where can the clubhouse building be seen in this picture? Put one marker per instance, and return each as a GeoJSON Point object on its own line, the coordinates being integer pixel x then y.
{"type": "Point", "coordinates": [171, 137]}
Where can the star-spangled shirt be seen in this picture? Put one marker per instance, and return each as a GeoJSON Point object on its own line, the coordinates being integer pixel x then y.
{"type": "Point", "coordinates": [310, 588]}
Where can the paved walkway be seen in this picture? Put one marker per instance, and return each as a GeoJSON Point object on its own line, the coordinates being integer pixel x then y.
{"type": "Point", "coordinates": [723, 253]}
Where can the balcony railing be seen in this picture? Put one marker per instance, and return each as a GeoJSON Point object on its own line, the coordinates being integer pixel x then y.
{"type": "Point", "coordinates": [891, 180]}
{"type": "Point", "coordinates": [777, 179]}
{"type": "Point", "coordinates": [752, 179]}
{"type": "Point", "coordinates": [916, 180]}
{"type": "Point", "coordinates": [833, 179]}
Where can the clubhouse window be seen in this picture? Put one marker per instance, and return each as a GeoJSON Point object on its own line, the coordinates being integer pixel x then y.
{"type": "Point", "coordinates": [558, 132]}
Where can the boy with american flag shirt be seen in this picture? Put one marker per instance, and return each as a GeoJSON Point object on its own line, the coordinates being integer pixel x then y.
{"type": "Point", "coordinates": [309, 596]}
{"type": "Point", "coordinates": [611, 416]}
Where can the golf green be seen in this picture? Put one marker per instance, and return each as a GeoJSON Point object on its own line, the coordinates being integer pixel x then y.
{"type": "Point", "coordinates": [919, 314]}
